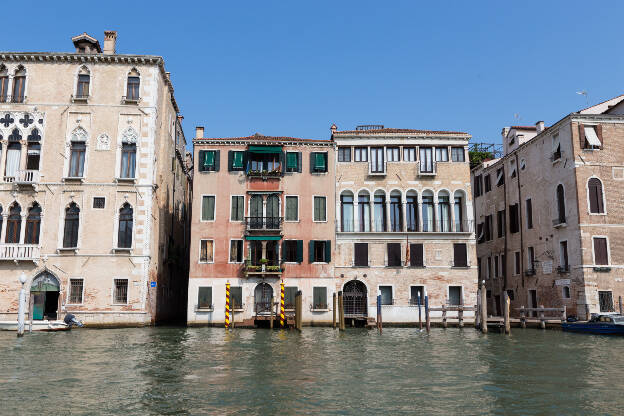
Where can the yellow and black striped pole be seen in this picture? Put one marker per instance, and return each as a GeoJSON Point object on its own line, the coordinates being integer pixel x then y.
{"type": "Point", "coordinates": [282, 304]}
{"type": "Point", "coordinates": [227, 305]}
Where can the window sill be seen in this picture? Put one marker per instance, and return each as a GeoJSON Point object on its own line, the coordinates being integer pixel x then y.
{"type": "Point", "coordinates": [122, 250]}
{"type": "Point", "coordinates": [125, 180]}
{"type": "Point", "coordinates": [73, 179]}
{"type": "Point", "coordinates": [427, 174]}
{"type": "Point", "coordinates": [82, 100]}
{"type": "Point", "coordinates": [394, 267]}
{"type": "Point", "coordinates": [417, 267]}
{"type": "Point", "coordinates": [67, 249]}
{"type": "Point", "coordinates": [119, 304]}
{"type": "Point", "coordinates": [318, 173]}
{"type": "Point", "coordinates": [467, 266]}
{"type": "Point", "coordinates": [598, 214]}
{"type": "Point", "coordinates": [204, 309]}
{"type": "Point", "coordinates": [320, 262]}
{"type": "Point", "coordinates": [205, 262]}
{"type": "Point", "coordinates": [377, 173]}
{"type": "Point", "coordinates": [319, 310]}
{"type": "Point", "coordinates": [126, 100]}
{"type": "Point", "coordinates": [360, 267]}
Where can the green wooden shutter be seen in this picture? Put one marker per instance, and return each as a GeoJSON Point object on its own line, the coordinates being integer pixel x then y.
{"type": "Point", "coordinates": [328, 251]}
{"type": "Point", "coordinates": [299, 162]}
{"type": "Point", "coordinates": [230, 160]}
{"type": "Point", "coordinates": [311, 251]}
{"type": "Point", "coordinates": [209, 159]}
{"type": "Point", "coordinates": [202, 157]}
{"type": "Point", "coordinates": [217, 160]}
{"type": "Point", "coordinates": [291, 161]}
{"type": "Point", "coordinates": [299, 251]}
{"type": "Point", "coordinates": [312, 162]}
{"type": "Point", "coordinates": [238, 160]}
{"type": "Point", "coordinates": [320, 163]}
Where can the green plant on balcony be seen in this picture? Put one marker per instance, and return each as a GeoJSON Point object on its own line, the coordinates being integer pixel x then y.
{"type": "Point", "coordinates": [264, 261]}
{"type": "Point", "coordinates": [273, 268]}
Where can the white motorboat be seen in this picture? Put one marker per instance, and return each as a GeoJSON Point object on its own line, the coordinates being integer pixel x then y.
{"type": "Point", "coordinates": [38, 325]}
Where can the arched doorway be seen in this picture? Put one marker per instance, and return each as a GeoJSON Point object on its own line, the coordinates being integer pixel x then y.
{"type": "Point", "coordinates": [354, 295]}
{"type": "Point", "coordinates": [262, 298]}
{"type": "Point", "coordinates": [44, 292]}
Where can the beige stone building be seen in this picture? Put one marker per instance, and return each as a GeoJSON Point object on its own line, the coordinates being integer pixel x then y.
{"type": "Point", "coordinates": [94, 186]}
{"type": "Point", "coordinates": [549, 214]}
{"type": "Point", "coordinates": [404, 221]}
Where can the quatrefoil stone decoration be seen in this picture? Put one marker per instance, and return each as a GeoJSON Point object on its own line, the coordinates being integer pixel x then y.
{"type": "Point", "coordinates": [27, 120]}
{"type": "Point", "coordinates": [7, 120]}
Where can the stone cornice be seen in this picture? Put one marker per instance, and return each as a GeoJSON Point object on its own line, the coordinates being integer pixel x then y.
{"type": "Point", "coordinates": [217, 142]}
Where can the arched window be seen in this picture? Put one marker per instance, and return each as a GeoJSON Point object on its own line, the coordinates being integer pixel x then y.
{"type": "Point", "coordinates": [134, 81]}
{"type": "Point", "coordinates": [33, 150]}
{"type": "Point", "coordinates": [380, 211]}
{"type": "Point", "coordinates": [427, 211]}
{"type": "Point", "coordinates": [14, 154]}
{"type": "Point", "coordinates": [596, 204]}
{"type": "Point", "coordinates": [84, 79]}
{"type": "Point", "coordinates": [346, 211]}
{"type": "Point", "coordinates": [128, 153]}
{"type": "Point", "coordinates": [33, 225]}
{"type": "Point", "coordinates": [19, 84]}
{"type": "Point", "coordinates": [1, 217]}
{"type": "Point", "coordinates": [396, 215]}
{"type": "Point", "coordinates": [4, 84]}
{"type": "Point", "coordinates": [78, 151]}
{"type": "Point", "coordinates": [72, 220]}
{"type": "Point", "coordinates": [459, 212]}
{"type": "Point", "coordinates": [14, 224]}
{"type": "Point", "coordinates": [411, 211]}
{"type": "Point", "coordinates": [561, 217]}
{"type": "Point", "coordinates": [124, 235]}
{"type": "Point", "coordinates": [364, 211]}
{"type": "Point", "coordinates": [444, 211]}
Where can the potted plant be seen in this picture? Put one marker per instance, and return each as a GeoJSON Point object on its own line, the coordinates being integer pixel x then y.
{"type": "Point", "coordinates": [263, 262]}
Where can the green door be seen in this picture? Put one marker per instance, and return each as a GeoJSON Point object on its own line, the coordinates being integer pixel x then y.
{"type": "Point", "coordinates": [38, 305]}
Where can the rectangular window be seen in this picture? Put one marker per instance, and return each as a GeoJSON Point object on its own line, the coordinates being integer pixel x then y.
{"type": "Point", "coordinates": [455, 295]}
{"type": "Point", "coordinates": [458, 154]}
{"type": "Point", "coordinates": [344, 154]}
{"type": "Point", "coordinates": [292, 208]}
{"type": "Point", "coordinates": [99, 202]}
{"type": "Point", "coordinates": [120, 295]}
{"type": "Point", "coordinates": [377, 164]}
{"type": "Point", "coordinates": [500, 176]}
{"type": "Point", "coordinates": [394, 254]}
{"type": "Point", "coordinates": [290, 293]}
{"type": "Point", "coordinates": [556, 148]}
{"type": "Point", "coordinates": [128, 160]}
{"type": "Point", "coordinates": [77, 159]}
{"type": "Point", "coordinates": [319, 298]}
{"type": "Point", "coordinates": [605, 299]}
{"type": "Point", "coordinates": [517, 263]}
{"type": "Point", "coordinates": [318, 161]}
{"type": "Point", "coordinates": [320, 209]}
{"type": "Point", "coordinates": [489, 267]}
{"type": "Point", "coordinates": [460, 255]}
{"type": "Point", "coordinates": [489, 229]}
{"type": "Point", "coordinates": [496, 270]}
{"type": "Point", "coordinates": [386, 295]}
{"type": "Point", "coordinates": [426, 160]}
{"type": "Point", "coordinates": [133, 88]}
{"type": "Point", "coordinates": [292, 251]}
{"type": "Point", "coordinates": [417, 292]}
{"type": "Point", "coordinates": [19, 82]}
{"type": "Point", "coordinates": [531, 259]}
{"type": "Point", "coordinates": [208, 160]}
{"type": "Point", "coordinates": [204, 297]}
{"type": "Point", "coordinates": [208, 208]}
{"type": "Point", "coordinates": [417, 258]}
{"type": "Point", "coordinates": [237, 210]}
{"type": "Point", "coordinates": [293, 162]}
{"type": "Point", "coordinates": [514, 224]}
{"type": "Point", "coordinates": [500, 222]}
{"type": "Point", "coordinates": [477, 185]}
{"type": "Point", "coordinates": [237, 160]}
{"type": "Point", "coordinates": [563, 255]}
{"type": "Point", "coordinates": [393, 154]}
{"type": "Point", "coordinates": [320, 251]}
{"type": "Point", "coordinates": [361, 154]}
{"type": "Point", "coordinates": [82, 91]}
{"type": "Point", "coordinates": [441, 154]}
{"type": "Point", "coordinates": [601, 253]}
{"type": "Point", "coordinates": [236, 295]}
{"type": "Point", "coordinates": [592, 141]}
{"type": "Point", "coordinates": [206, 251]}
{"type": "Point", "coordinates": [75, 291]}
{"type": "Point", "coordinates": [487, 182]}
{"type": "Point", "coordinates": [4, 88]}
{"type": "Point", "coordinates": [529, 213]}
{"type": "Point", "coordinates": [409, 154]}
{"type": "Point", "coordinates": [236, 251]}
{"type": "Point", "coordinates": [360, 254]}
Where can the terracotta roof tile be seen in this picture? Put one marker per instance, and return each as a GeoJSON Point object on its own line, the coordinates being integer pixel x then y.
{"type": "Point", "coordinates": [390, 130]}
{"type": "Point", "coordinates": [524, 127]}
{"type": "Point", "coordinates": [261, 137]}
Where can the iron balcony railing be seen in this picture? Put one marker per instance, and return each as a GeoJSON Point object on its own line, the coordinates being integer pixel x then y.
{"type": "Point", "coordinates": [264, 223]}
{"type": "Point", "coordinates": [19, 252]}
{"type": "Point", "coordinates": [263, 307]}
{"type": "Point", "coordinates": [440, 226]}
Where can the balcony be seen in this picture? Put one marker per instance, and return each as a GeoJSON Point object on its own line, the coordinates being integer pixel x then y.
{"type": "Point", "coordinates": [27, 177]}
{"type": "Point", "coordinates": [260, 270]}
{"type": "Point", "coordinates": [263, 223]}
{"type": "Point", "coordinates": [16, 252]}
{"type": "Point", "coordinates": [380, 226]}
{"type": "Point", "coordinates": [265, 174]}
{"type": "Point", "coordinates": [79, 98]}
{"type": "Point", "coordinates": [559, 222]}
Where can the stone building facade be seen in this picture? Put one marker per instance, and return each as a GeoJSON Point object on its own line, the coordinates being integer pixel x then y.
{"type": "Point", "coordinates": [404, 221]}
{"type": "Point", "coordinates": [549, 214]}
{"type": "Point", "coordinates": [94, 186]}
{"type": "Point", "coordinates": [262, 214]}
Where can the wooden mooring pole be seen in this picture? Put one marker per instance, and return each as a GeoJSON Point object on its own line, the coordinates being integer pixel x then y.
{"type": "Point", "coordinates": [419, 313]}
{"type": "Point", "coordinates": [621, 309]}
{"type": "Point", "coordinates": [477, 314]}
{"type": "Point", "coordinates": [542, 319]}
{"type": "Point", "coordinates": [379, 324]}
{"type": "Point", "coordinates": [460, 316]}
{"type": "Point", "coordinates": [298, 310]}
{"type": "Point", "coordinates": [506, 313]}
{"type": "Point", "coordinates": [484, 327]}
{"type": "Point", "coordinates": [341, 321]}
{"type": "Point", "coordinates": [227, 305]}
{"type": "Point", "coordinates": [271, 308]}
{"type": "Point", "coordinates": [334, 312]}
{"type": "Point", "coordinates": [522, 317]}
{"type": "Point", "coordinates": [427, 318]}
{"type": "Point", "coordinates": [444, 322]}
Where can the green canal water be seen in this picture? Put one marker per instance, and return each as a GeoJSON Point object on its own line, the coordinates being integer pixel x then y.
{"type": "Point", "coordinates": [194, 371]}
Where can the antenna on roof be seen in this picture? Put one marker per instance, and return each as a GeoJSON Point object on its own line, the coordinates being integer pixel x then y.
{"type": "Point", "coordinates": [583, 92]}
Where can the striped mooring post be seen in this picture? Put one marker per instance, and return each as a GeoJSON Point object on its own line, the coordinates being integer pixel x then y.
{"type": "Point", "coordinates": [227, 305]}
{"type": "Point", "coordinates": [282, 304]}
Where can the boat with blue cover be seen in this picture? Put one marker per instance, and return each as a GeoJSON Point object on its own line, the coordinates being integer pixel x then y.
{"type": "Point", "coordinates": [598, 324]}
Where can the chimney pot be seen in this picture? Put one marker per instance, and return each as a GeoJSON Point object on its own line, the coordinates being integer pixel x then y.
{"type": "Point", "coordinates": [110, 41]}
{"type": "Point", "coordinates": [333, 128]}
{"type": "Point", "coordinates": [539, 126]}
{"type": "Point", "coordinates": [199, 132]}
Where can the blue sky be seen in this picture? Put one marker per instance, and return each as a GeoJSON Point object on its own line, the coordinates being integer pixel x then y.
{"type": "Point", "coordinates": [294, 68]}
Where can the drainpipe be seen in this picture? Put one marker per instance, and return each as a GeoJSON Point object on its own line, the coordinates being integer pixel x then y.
{"type": "Point", "coordinates": [505, 230]}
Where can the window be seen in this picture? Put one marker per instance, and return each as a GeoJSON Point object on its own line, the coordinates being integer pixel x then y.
{"type": "Point", "coordinates": [417, 295]}
{"type": "Point", "coordinates": [477, 185]}
{"type": "Point", "coordinates": [593, 137]}
{"type": "Point", "coordinates": [561, 217]}
{"type": "Point", "coordinates": [204, 297]}
{"type": "Point", "coordinates": [19, 84]}
{"type": "Point", "coordinates": [500, 222]}
{"type": "Point", "coordinates": [529, 213]}
{"type": "Point", "coordinates": [489, 230]}
{"type": "Point", "coordinates": [444, 212]}
{"type": "Point", "coordinates": [290, 293]}
{"type": "Point", "coordinates": [33, 225]}
{"type": "Point", "coordinates": [364, 211]}
{"type": "Point", "coordinates": [377, 164]}
{"type": "Point", "coordinates": [77, 159]}
{"type": "Point", "coordinates": [514, 223]}
{"type": "Point", "coordinates": [236, 160]}
{"type": "Point", "coordinates": [292, 251]}
{"type": "Point", "coordinates": [566, 292]}
{"type": "Point", "coordinates": [70, 233]}
{"type": "Point", "coordinates": [293, 161]}
{"type": "Point", "coordinates": [128, 160]}
{"type": "Point", "coordinates": [605, 299]}
{"type": "Point", "coordinates": [319, 298]}
{"type": "Point", "coordinates": [393, 154]}
{"type": "Point", "coordinates": [496, 272]}
{"type": "Point", "coordinates": [522, 164]}
{"type": "Point", "coordinates": [489, 267]}
{"type": "Point", "coordinates": [265, 160]}
{"type": "Point", "coordinates": [411, 212]}
{"type": "Point", "coordinates": [455, 295]}
{"type": "Point", "coordinates": [386, 295]}
{"type": "Point", "coordinates": [320, 209]}
{"type": "Point", "coordinates": [427, 211]}
{"type": "Point", "coordinates": [563, 255]}
{"type": "Point", "coordinates": [500, 176]}
{"type": "Point", "coordinates": [396, 213]}
{"type": "Point", "coordinates": [460, 226]}
{"type": "Point", "coordinates": [441, 154]}
{"type": "Point", "coordinates": [318, 162]}
{"type": "Point", "coordinates": [120, 295]}
{"type": "Point", "coordinates": [458, 154]}
{"type": "Point", "coordinates": [124, 236]}
{"type": "Point", "coordinates": [132, 93]}
{"type": "Point", "coordinates": [206, 251]}
{"type": "Point", "coordinates": [409, 154]}
{"type": "Point", "coordinates": [426, 160]}
{"type": "Point", "coordinates": [14, 224]}
{"type": "Point", "coordinates": [556, 148]}
{"type": "Point", "coordinates": [4, 84]}
{"type": "Point", "coordinates": [517, 263]}
{"type": "Point", "coordinates": [75, 291]}
{"type": "Point", "coordinates": [510, 293]}
{"type": "Point", "coordinates": [487, 182]}
{"type": "Point", "coordinates": [237, 210]}
{"type": "Point", "coordinates": [236, 251]}
{"type": "Point", "coordinates": [292, 208]}
{"type": "Point", "coordinates": [416, 256]}
{"type": "Point", "coordinates": [361, 154]}
{"type": "Point", "coordinates": [320, 251]}
{"type": "Point", "coordinates": [512, 169]}
{"type": "Point", "coordinates": [33, 150]}
{"type": "Point", "coordinates": [360, 254]}
{"type": "Point", "coordinates": [208, 208]}
{"type": "Point", "coordinates": [99, 202]}
{"type": "Point", "coordinates": [531, 259]}
{"type": "Point", "coordinates": [596, 203]}
{"type": "Point", "coordinates": [344, 154]}
{"type": "Point", "coordinates": [236, 297]}
{"type": "Point", "coordinates": [460, 255]}
{"type": "Point", "coordinates": [209, 160]}
{"type": "Point", "coordinates": [394, 254]}
{"type": "Point", "coordinates": [601, 252]}
{"type": "Point", "coordinates": [82, 89]}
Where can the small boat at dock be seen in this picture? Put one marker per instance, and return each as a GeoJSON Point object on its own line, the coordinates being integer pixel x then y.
{"type": "Point", "coordinates": [39, 325]}
{"type": "Point", "coordinates": [598, 324]}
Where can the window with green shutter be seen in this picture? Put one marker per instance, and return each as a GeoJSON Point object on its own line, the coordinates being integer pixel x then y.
{"type": "Point", "coordinates": [237, 208]}
{"type": "Point", "coordinates": [208, 208]}
{"type": "Point", "coordinates": [292, 164]}
{"type": "Point", "coordinates": [320, 162]}
{"type": "Point", "coordinates": [237, 162]}
{"type": "Point", "coordinates": [209, 159]}
{"type": "Point", "coordinates": [319, 298]}
{"type": "Point", "coordinates": [292, 208]}
{"type": "Point", "coordinates": [320, 208]}
{"type": "Point", "coordinates": [289, 296]}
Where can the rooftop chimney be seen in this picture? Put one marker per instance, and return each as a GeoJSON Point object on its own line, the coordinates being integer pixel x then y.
{"type": "Point", "coordinates": [110, 39]}
{"type": "Point", "coordinates": [333, 128]}
{"type": "Point", "coordinates": [199, 132]}
{"type": "Point", "coordinates": [504, 133]}
{"type": "Point", "coordinates": [539, 127]}
{"type": "Point", "coordinates": [168, 75]}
